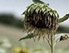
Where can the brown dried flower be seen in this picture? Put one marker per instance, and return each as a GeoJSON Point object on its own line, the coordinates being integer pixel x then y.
{"type": "Point", "coordinates": [41, 19]}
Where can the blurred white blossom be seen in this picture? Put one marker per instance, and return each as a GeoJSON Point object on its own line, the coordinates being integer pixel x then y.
{"type": "Point", "coordinates": [2, 50]}
{"type": "Point", "coordinates": [5, 43]}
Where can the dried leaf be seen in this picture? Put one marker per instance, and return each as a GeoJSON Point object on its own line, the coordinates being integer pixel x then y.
{"type": "Point", "coordinates": [61, 37]}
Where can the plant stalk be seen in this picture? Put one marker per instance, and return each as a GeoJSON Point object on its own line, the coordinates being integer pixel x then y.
{"type": "Point", "coordinates": [52, 44]}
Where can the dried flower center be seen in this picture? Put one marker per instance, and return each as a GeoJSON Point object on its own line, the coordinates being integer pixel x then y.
{"type": "Point", "coordinates": [41, 20]}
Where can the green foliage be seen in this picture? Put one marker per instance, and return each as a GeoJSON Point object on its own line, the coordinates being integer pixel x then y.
{"type": "Point", "coordinates": [63, 18]}
{"type": "Point", "coordinates": [63, 29]}
{"type": "Point", "coordinates": [7, 18]}
{"type": "Point", "coordinates": [29, 36]}
{"type": "Point", "coordinates": [38, 1]}
{"type": "Point", "coordinates": [10, 19]}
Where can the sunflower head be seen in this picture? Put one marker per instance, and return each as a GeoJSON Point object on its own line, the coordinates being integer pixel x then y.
{"type": "Point", "coordinates": [41, 18]}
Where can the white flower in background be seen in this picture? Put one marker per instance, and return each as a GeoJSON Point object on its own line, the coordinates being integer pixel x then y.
{"type": "Point", "coordinates": [2, 50]}
{"type": "Point", "coordinates": [5, 43]}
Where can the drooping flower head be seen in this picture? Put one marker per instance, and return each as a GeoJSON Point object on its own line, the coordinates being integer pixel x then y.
{"type": "Point", "coordinates": [40, 19]}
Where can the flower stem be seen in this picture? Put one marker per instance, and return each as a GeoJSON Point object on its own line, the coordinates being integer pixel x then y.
{"type": "Point", "coordinates": [52, 44]}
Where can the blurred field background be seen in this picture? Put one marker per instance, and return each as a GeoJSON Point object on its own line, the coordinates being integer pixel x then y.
{"type": "Point", "coordinates": [12, 28]}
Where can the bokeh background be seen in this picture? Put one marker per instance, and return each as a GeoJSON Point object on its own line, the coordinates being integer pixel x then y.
{"type": "Point", "coordinates": [11, 28]}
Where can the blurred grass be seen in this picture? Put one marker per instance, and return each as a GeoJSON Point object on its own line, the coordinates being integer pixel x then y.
{"type": "Point", "coordinates": [16, 32]}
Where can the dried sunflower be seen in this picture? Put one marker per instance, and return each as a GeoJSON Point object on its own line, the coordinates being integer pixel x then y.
{"type": "Point", "coordinates": [41, 20]}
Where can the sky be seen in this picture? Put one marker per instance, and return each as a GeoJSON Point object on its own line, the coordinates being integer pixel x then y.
{"type": "Point", "coordinates": [18, 6]}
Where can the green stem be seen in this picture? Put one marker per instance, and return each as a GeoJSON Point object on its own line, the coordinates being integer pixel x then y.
{"type": "Point", "coordinates": [51, 44]}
